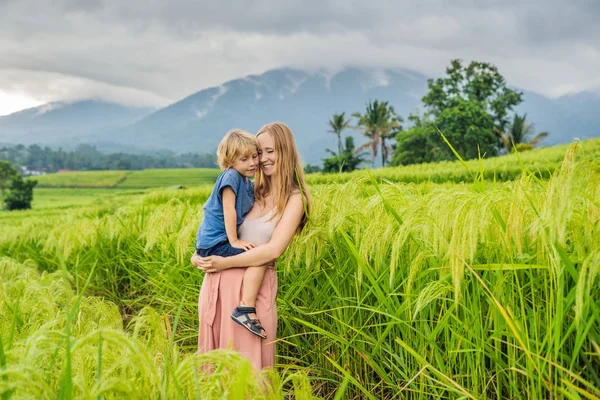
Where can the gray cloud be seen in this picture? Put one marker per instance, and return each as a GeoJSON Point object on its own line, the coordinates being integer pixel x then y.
{"type": "Point", "coordinates": [153, 53]}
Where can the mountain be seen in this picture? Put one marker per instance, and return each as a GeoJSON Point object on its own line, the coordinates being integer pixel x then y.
{"type": "Point", "coordinates": [303, 100]}
{"type": "Point", "coordinates": [67, 123]}
{"type": "Point", "coordinates": [566, 118]}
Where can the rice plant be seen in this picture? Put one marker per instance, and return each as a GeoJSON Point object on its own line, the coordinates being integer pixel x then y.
{"type": "Point", "coordinates": [55, 342]}
{"type": "Point", "coordinates": [480, 289]}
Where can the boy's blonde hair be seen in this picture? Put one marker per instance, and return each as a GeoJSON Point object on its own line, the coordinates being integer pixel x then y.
{"type": "Point", "coordinates": [236, 143]}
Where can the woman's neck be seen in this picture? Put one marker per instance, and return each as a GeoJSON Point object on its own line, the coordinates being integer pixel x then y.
{"type": "Point", "coordinates": [271, 198]}
{"type": "Point", "coordinates": [273, 189]}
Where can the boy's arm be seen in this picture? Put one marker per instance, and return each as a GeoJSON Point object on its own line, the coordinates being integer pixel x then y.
{"type": "Point", "coordinates": [229, 214]}
{"type": "Point", "coordinates": [230, 217]}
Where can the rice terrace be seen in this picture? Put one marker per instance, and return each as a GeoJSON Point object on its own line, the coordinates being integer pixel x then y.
{"type": "Point", "coordinates": [473, 280]}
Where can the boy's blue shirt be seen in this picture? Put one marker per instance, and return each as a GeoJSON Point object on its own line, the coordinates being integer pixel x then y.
{"type": "Point", "coordinates": [212, 229]}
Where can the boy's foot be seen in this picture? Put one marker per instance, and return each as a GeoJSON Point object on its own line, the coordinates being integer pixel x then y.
{"type": "Point", "coordinates": [241, 315]}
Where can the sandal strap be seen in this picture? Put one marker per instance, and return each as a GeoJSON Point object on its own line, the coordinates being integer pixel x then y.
{"type": "Point", "coordinates": [246, 309]}
{"type": "Point", "coordinates": [256, 323]}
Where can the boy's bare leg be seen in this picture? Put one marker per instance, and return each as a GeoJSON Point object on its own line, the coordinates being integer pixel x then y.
{"type": "Point", "coordinates": [253, 278]}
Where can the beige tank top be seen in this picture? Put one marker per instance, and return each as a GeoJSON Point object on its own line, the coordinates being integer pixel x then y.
{"type": "Point", "coordinates": [258, 230]}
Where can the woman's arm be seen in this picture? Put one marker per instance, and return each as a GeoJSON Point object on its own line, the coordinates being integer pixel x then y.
{"type": "Point", "coordinates": [264, 254]}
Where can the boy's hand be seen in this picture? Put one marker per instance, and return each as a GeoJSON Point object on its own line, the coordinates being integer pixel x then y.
{"type": "Point", "coordinates": [242, 244]}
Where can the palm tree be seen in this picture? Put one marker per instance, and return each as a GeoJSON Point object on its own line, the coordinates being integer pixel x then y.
{"type": "Point", "coordinates": [337, 124]}
{"type": "Point", "coordinates": [368, 123]}
{"type": "Point", "coordinates": [391, 125]}
{"type": "Point", "coordinates": [517, 137]}
{"type": "Point", "coordinates": [378, 123]}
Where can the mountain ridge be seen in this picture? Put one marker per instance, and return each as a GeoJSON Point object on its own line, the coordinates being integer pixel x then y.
{"type": "Point", "coordinates": [303, 100]}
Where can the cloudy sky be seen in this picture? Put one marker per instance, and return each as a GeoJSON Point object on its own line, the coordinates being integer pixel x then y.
{"type": "Point", "coordinates": [153, 53]}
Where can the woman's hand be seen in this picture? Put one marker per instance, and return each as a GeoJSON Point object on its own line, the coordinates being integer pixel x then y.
{"type": "Point", "coordinates": [195, 260]}
{"type": "Point", "coordinates": [209, 264]}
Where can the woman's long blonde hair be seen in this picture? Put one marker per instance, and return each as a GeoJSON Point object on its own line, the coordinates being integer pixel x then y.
{"type": "Point", "coordinates": [289, 176]}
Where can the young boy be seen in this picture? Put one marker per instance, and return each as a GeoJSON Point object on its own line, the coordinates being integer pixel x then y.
{"type": "Point", "coordinates": [224, 211]}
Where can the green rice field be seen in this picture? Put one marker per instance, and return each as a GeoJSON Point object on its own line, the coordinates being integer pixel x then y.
{"type": "Point", "coordinates": [438, 282]}
{"type": "Point", "coordinates": [149, 178]}
{"type": "Point", "coordinates": [82, 179]}
{"type": "Point", "coordinates": [55, 198]}
{"type": "Point", "coordinates": [541, 163]}
{"type": "Point", "coordinates": [170, 177]}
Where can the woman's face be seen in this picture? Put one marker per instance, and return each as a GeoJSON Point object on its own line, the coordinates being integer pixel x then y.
{"type": "Point", "coordinates": [266, 153]}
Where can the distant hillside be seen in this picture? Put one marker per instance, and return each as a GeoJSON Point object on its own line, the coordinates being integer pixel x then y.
{"type": "Point", "coordinates": [566, 118]}
{"type": "Point", "coordinates": [305, 101]}
{"type": "Point", "coordinates": [68, 123]}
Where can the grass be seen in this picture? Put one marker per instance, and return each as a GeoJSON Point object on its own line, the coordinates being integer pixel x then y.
{"type": "Point", "coordinates": [480, 289]}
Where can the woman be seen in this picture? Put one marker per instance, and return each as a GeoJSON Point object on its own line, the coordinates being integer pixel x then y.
{"type": "Point", "coordinates": [279, 212]}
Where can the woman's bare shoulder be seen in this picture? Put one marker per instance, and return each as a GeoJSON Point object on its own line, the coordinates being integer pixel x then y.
{"type": "Point", "coordinates": [298, 192]}
{"type": "Point", "coordinates": [295, 195]}
{"type": "Point", "coordinates": [294, 199]}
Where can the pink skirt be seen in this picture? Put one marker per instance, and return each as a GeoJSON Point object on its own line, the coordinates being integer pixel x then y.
{"type": "Point", "coordinates": [221, 292]}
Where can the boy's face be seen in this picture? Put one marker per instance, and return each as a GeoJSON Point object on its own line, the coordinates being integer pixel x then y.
{"type": "Point", "coordinates": [246, 164]}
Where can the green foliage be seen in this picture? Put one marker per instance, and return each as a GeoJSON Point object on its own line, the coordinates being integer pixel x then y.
{"type": "Point", "coordinates": [87, 157]}
{"type": "Point", "coordinates": [469, 129]}
{"type": "Point", "coordinates": [311, 169]}
{"type": "Point", "coordinates": [7, 172]}
{"type": "Point", "coordinates": [19, 194]}
{"type": "Point", "coordinates": [418, 144]}
{"type": "Point", "coordinates": [348, 161]}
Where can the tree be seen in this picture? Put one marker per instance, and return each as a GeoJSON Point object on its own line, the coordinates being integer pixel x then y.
{"type": "Point", "coordinates": [311, 169]}
{"type": "Point", "coordinates": [417, 144]}
{"type": "Point", "coordinates": [379, 122]}
{"type": "Point", "coordinates": [519, 134]}
{"type": "Point", "coordinates": [20, 194]}
{"type": "Point", "coordinates": [7, 172]}
{"type": "Point", "coordinates": [87, 157]}
{"type": "Point", "coordinates": [337, 124]}
{"type": "Point", "coordinates": [479, 83]}
{"type": "Point", "coordinates": [469, 129]}
{"type": "Point", "coordinates": [391, 125]}
{"type": "Point", "coordinates": [469, 106]}
{"type": "Point", "coordinates": [348, 161]}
